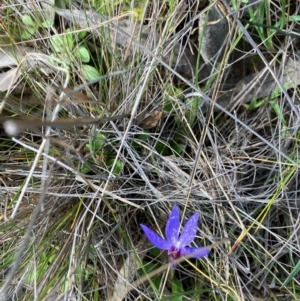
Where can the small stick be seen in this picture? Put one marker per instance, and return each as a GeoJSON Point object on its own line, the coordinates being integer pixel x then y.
{"type": "Point", "coordinates": [13, 127]}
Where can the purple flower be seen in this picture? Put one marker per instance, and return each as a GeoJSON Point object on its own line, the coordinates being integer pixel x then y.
{"type": "Point", "coordinates": [177, 245]}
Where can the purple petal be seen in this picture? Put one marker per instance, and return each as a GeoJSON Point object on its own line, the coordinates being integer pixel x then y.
{"type": "Point", "coordinates": [172, 226]}
{"type": "Point", "coordinates": [199, 252]}
{"type": "Point", "coordinates": [189, 231]}
{"type": "Point", "coordinates": [155, 239]}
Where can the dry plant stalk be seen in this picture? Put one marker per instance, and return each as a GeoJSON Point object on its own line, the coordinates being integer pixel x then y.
{"type": "Point", "coordinates": [14, 127]}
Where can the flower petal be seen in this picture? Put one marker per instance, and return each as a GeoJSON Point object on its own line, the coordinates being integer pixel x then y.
{"type": "Point", "coordinates": [199, 252]}
{"type": "Point", "coordinates": [155, 239]}
{"type": "Point", "coordinates": [189, 231]}
{"type": "Point", "coordinates": [172, 226]}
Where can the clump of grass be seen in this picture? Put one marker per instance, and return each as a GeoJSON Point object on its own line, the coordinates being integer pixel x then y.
{"type": "Point", "coordinates": [73, 198]}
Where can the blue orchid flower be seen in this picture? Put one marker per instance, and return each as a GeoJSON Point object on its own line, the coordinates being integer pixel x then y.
{"type": "Point", "coordinates": [176, 244]}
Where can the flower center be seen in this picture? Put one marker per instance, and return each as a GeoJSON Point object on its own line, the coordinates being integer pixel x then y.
{"type": "Point", "coordinates": [175, 253]}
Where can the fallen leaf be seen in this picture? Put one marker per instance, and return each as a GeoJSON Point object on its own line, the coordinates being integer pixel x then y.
{"type": "Point", "coordinates": [152, 120]}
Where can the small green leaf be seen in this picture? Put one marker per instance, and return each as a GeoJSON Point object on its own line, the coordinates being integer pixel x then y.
{"type": "Point", "coordinates": [89, 72]}
{"type": "Point", "coordinates": [97, 142]}
{"type": "Point", "coordinates": [178, 148]}
{"type": "Point", "coordinates": [26, 19]}
{"type": "Point", "coordinates": [48, 23]}
{"type": "Point", "coordinates": [118, 167]}
{"type": "Point", "coordinates": [30, 27]}
{"type": "Point", "coordinates": [154, 252]}
{"type": "Point", "coordinates": [68, 39]}
{"type": "Point", "coordinates": [85, 169]}
{"type": "Point", "coordinates": [82, 35]}
{"type": "Point", "coordinates": [84, 54]}
{"type": "Point", "coordinates": [139, 13]}
{"type": "Point", "coordinates": [255, 104]}
{"type": "Point", "coordinates": [29, 32]}
{"type": "Point", "coordinates": [162, 148]}
{"type": "Point", "coordinates": [51, 258]}
{"type": "Point", "coordinates": [63, 43]}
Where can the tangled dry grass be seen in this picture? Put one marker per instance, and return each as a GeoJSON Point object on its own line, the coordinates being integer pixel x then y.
{"type": "Point", "coordinates": [216, 135]}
